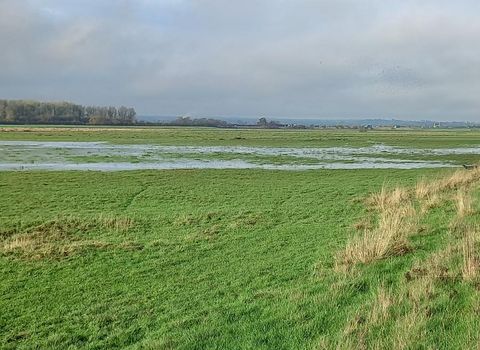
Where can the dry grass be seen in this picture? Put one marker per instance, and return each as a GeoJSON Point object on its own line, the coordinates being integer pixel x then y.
{"type": "Point", "coordinates": [431, 201]}
{"type": "Point", "coordinates": [380, 311]}
{"type": "Point", "coordinates": [398, 218]}
{"type": "Point", "coordinates": [116, 224]}
{"type": "Point", "coordinates": [389, 238]}
{"type": "Point", "coordinates": [386, 199]}
{"type": "Point", "coordinates": [459, 179]}
{"type": "Point", "coordinates": [409, 329]}
{"type": "Point", "coordinates": [436, 267]}
{"type": "Point", "coordinates": [471, 263]}
{"type": "Point", "coordinates": [59, 238]}
{"type": "Point", "coordinates": [463, 203]}
{"type": "Point", "coordinates": [408, 311]}
{"type": "Point", "coordinates": [52, 239]}
{"type": "Point", "coordinates": [425, 188]}
{"type": "Point", "coordinates": [419, 292]}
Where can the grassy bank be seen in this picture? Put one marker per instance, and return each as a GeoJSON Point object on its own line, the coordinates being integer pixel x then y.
{"type": "Point", "coordinates": [209, 259]}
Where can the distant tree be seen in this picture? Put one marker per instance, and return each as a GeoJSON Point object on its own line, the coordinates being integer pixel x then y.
{"type": "Point", "coordinates": [3, 110]}
{"type": "Point", "coordinates": [262, 122]}
{"type": "Point", "coordinates": [273, 125]}
{"type": "Point", "coordinates": [187, 121]}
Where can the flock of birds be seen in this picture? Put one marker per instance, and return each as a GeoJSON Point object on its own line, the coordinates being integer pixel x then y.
{"type": "Point", "coordinates": [391, 79]}
{"type": "Point", "coordinates": [388, 78]}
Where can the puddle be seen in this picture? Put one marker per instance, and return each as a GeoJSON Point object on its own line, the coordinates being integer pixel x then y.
{"type": "Point", "coordinates": [102, 156]}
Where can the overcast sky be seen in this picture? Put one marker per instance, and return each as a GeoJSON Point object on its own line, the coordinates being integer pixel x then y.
{"type": "Point", "coordinates": [407, 59]}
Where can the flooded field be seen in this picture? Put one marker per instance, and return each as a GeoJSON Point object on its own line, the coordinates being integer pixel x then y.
{"type": "Point", "coordinates": [102, 156]}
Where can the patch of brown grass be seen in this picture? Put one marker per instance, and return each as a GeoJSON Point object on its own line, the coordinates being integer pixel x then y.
{"type": "Point", "coordinates": [389, 238]}
{"type": "Point", "coordinates": [398, 217]}
{"type": "Point", "coordinates": [463, 203]}
{"type": "Point", "coordinates": [51, 239]}
{"type": "Point", "coordinates": [435, 267]}
{"type": "Point", "coordinates": [387, 199]}
{"type": "Point", "coordinates": [431, 201]}
{"type": "Point", "coordinates": [59, 238]}
{"type": "Point", "coordinates": [471, 262]}
{"type": "Point", "coordinates": [425, 188]}
{"type": "Point", "coordinates": [380, 311]}
{"type": "Point", "coordinates": [459, 179]}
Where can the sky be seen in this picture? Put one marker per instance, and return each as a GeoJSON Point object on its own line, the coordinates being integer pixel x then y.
{"type": "Point", "coordinates": [318, 59]}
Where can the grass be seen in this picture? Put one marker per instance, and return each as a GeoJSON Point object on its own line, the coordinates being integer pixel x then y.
{"type": "Point", "coordinates": [458, 263]}
{"type": "Point", "coordinates": [239, 137]}
{"type": "Point", "coordinates": [240, 259]}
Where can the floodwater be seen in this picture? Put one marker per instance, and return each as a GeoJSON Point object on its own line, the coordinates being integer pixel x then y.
{"type": "Point", "coordinates": [102, 156]}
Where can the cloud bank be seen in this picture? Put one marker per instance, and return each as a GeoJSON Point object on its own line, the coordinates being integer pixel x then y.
{"type": "Point", "coordinates": [276, 58]}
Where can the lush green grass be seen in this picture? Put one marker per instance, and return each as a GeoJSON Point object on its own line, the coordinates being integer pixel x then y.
{"type": "Point", "coordinates": [268, 138]}
{"type": "Point", "coordinates": [220, 259]}
{"type": "Point", "coordinates": [211, 259]}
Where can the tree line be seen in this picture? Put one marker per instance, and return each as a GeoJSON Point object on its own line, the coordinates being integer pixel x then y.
{"type": "Point", "coordinates": [34, 112]}
{"type": "Point", "coordinates": [218, 123]}
{"type": "Point", "coordinates": [210, 122]}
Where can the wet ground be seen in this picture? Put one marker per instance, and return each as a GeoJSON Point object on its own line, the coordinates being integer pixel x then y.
{"type": "Point", "coordinates": [102, 156]}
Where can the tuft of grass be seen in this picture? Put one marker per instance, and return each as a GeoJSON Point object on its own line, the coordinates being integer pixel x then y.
{"type": "Point", "coordinates": [433, 200]}
{"type": "Point", "coordinates": [471, 262]}
{"type": "Point", "coordinates": [381, 309]}
{"type": "Point", "coordinates": [463, 203]}
{"type": "Point", "coordinates": [387, 199]}
{"type": "Point", "coordinates": [389, 238]}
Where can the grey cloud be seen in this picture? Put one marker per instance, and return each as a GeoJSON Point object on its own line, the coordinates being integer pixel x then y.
{"type": "Point", "coordinates": [309, 59]}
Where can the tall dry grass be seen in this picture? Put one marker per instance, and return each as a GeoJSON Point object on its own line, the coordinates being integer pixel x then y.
{"type": "Point", "coordinates": [433, 200]}
{"type": "Point", "coordinates": [407, 311]}
{"type": "Point", "coordinates": [460, 179]}
{"type": "Point", "coordinates": [398, 217]}
{"type": "Point", "coordinates": [463, 203]}
{"type": "Point", "coordinates": [425, 188]}
{"type": "Point", "coordinates": [471, 262]}
{"type": "Point", "coordinates": [386, 199]}
{"type": "Point", "coordinates": [389, 238]}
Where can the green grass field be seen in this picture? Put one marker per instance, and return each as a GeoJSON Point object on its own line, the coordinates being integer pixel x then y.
{"type": "Point", "coordinates": [242, 137]}
{"type": "Point", "coordinates": [228, 259]}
